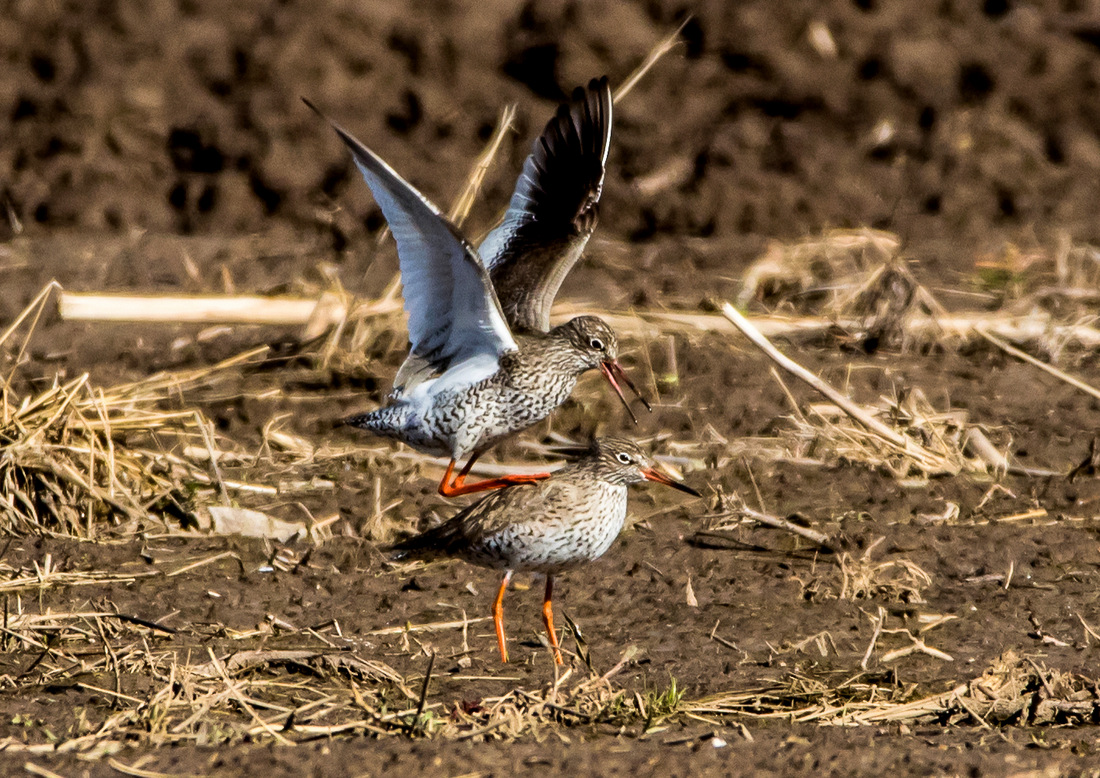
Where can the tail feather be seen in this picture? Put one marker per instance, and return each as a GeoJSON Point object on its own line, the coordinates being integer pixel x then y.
{"type": "Point", "coordinates": [431, 543]}
{"type": "Point", "coordinates": [453, 535]}
{"type": "Point", "coordinates": [361, 420]}
{"type": "Point", "coordinates": [387, 421]}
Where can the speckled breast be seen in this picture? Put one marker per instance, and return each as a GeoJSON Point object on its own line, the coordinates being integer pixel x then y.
{"type": "Point", "coordinates": [553, 543]}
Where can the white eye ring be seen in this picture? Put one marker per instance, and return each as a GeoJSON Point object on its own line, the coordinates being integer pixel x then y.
{"type": "Point", "coordinates": [596, 343]}
{"type": "Point", "coordinates": [624, 458]}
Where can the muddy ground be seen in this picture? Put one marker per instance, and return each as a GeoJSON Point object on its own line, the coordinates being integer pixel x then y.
{"type": "Point", "coordinates": [161, 147]}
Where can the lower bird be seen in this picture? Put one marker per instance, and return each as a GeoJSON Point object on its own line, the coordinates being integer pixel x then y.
{"type": "Point", "coordinates": [548, 527]}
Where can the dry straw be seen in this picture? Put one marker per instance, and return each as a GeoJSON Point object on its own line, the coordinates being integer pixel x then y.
{"type": "Point", "coordinates": [75, 459]}
{"type": "Point", "coordinates": [1012, 691]}
{"type": "Point", "coordinates": [311, 683]}
{"type": "Point", "coordinates": [904, 435]}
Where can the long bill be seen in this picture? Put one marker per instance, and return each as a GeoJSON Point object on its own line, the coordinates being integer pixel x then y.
{"type": "Point", "coordinates": [652, 474]}
{"type": "Point", "coordinates": [612, 370]}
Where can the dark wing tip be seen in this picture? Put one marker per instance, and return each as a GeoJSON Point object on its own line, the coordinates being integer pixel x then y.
{"type": "Point", "coordinates": [569, 158]}
{"type": "Point", "coordinates": [598, 104]}
{"type": "Point", "coordinates": [312, 107]}
{"type": "Point", "coordinates": [410, 548]}
{"type": "Point", "coordinates": [402, 547]}
{"type": "Point", "coordinates": [360, 152]}
{"type": "Point", "coordinates": [599, 85]}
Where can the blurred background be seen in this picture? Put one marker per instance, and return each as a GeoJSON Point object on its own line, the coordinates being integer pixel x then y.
{"type": "Point", "coordinates": [962, 126]}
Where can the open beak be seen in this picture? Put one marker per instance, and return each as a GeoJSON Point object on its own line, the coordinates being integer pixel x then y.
{"type": "Point", "coordinates": [653, 474]}
{"type": "Point", "coordinates": [612, 370]}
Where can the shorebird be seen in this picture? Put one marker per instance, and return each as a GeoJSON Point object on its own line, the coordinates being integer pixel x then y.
{"type": "Point", "coordinates": [483, 361]}
{"type": "Point", "coordinates": [571, 518]}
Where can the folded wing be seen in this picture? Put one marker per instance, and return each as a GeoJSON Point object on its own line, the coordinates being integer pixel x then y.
{"type": "Point", "coordinates": [545, 501]}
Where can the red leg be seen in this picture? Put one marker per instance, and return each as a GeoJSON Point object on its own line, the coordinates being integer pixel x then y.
{"type": "Point", "coordinates": [498, 616]}
{"type": "Point", "coordinates": [458, 486]}
{"type": "Point", "coordinates": [445, 485]}
{"type": "Point", "coordinates": [548, 617]}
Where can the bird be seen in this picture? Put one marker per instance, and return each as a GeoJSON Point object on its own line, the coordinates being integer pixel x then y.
{"type": "Point", "coordinates": [483, 362]}
{"type": "Point", "coordinates": [549, 527]}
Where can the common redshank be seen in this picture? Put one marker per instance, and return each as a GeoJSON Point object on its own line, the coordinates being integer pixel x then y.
{"type": "Point", "coordinates": [571, 518]}
{"type": "Point", "coordinates": [483, 362]}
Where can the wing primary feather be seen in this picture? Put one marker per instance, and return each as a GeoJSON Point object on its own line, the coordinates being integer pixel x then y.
{"type": "Point", "coordinates": [554, 208]}
{"type": "Point", "coordinates": [453, 310]}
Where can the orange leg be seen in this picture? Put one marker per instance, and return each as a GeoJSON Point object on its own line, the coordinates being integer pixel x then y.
{"type": "Point", "coordinates": [498, 616]}
{"type": "Point", "coordinates": [458, 486]}
{"type": "Point", "coordinates": [548, 617]}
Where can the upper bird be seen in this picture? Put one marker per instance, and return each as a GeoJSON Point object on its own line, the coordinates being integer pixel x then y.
{"type": "Point", "coordinates": [560, 523]}
{"type": "Point", "coordinates": [483, 361]}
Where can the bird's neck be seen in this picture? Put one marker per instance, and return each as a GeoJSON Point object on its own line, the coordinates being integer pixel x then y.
{"type": "Point", "coordinates": [552, 352]}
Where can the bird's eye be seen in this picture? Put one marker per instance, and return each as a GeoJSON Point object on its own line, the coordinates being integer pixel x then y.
{"type": "Point", "coordinates": [624, 458]}
{"type": "Point", "coordinates": [596, 343]}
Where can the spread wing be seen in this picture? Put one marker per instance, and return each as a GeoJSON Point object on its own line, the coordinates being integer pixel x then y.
{"type": "Point", "coordinates": [553, 210]}
{"type": "Point", "coordinates": [453, 310]}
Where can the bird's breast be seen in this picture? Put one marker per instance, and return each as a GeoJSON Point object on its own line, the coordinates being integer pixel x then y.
{"type": "Point", "coordinates": [557, 537]}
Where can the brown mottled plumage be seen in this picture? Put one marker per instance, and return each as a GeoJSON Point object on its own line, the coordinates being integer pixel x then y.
{"type": "Point", "coordinates": [548, 527]}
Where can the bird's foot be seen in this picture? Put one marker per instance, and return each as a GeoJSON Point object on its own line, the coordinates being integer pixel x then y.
{"type": "Point", "coordinates": [457, 487]}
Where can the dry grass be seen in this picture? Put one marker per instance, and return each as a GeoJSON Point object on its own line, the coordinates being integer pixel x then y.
{"type": "Point", "coordinates": [1059, 276]}
{"type": "Point", "coordinates": [207, 686]}
{"type": "Point", "coordinates": [198, 695]}
{"type": "Point", "coordinates": [858, 280]}
{"type": "Point", "coordinates": [816, 272]}
{"type": "Point", "coordinates": [1011, 692]}
{"type": "Point", "coordinates": [891, 580]}
{"type": "Point", "coordinates": [75, 459]}
{"type": "Point", "coordinates": [734, 510]}
{"type": "Point", "coordinates": [938, 438]}
{"type": "Point", "coordinates": [906, 436]}
{"type": "Point", "coordinates": [114, 462]}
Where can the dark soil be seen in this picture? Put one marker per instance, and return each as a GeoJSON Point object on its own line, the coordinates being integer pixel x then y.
{"type": "Point", "coordinates": [162, 147]}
